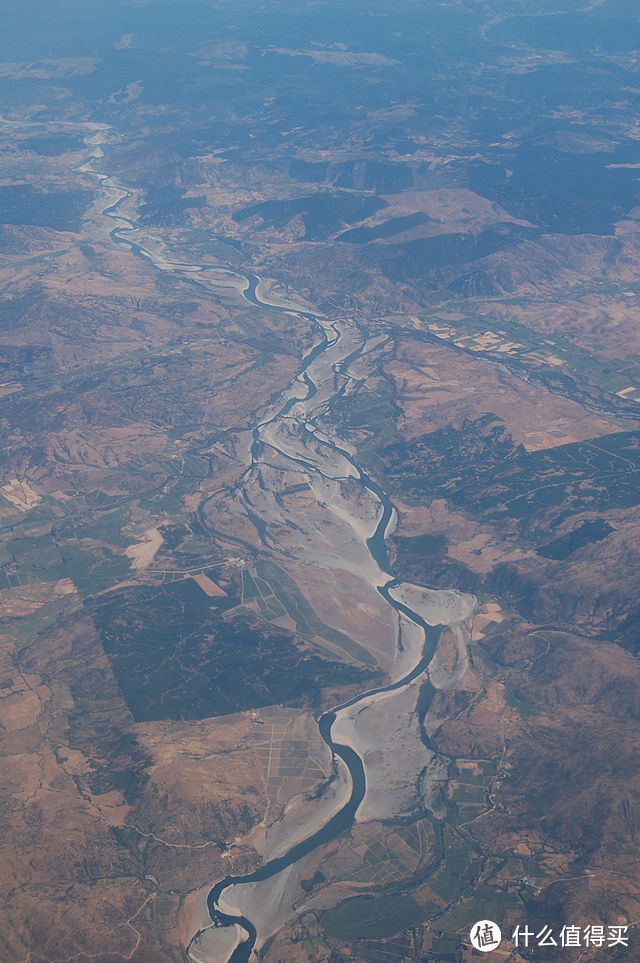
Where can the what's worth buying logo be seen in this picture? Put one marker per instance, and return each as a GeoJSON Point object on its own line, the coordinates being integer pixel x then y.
{"type": "Point", "coordinates": [485, 936]}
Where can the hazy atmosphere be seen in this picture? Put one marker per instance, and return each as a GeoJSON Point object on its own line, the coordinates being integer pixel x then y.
{"type": "Point", "coordinates": [319, 481]}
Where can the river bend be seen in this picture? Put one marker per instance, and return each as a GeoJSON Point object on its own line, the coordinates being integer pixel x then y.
{"type": "Point", "coordinates": [320, 381]}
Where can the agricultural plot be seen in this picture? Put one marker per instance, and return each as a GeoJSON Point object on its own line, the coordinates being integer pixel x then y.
{"type": "Point", "coordinates": [373, 917]}
{"type": "Point", "coordinates": [276, 592]}
{"type": "Point", "coordinates": [377, 855]}
{"type": "Point", "coordinates": [290, 753]}
{"type": "Point", "coordinates": [470, 791]}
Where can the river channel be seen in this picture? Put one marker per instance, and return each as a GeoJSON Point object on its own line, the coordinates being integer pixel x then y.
{"type": "Point", "coordinates": [319, 381]}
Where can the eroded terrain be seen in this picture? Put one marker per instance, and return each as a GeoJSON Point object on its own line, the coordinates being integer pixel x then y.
{"type": "Point", "coordinates": [263, 311]}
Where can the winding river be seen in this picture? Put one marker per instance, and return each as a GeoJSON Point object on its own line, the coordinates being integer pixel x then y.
{"type": "Point", "coordinates": [320, 380]}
